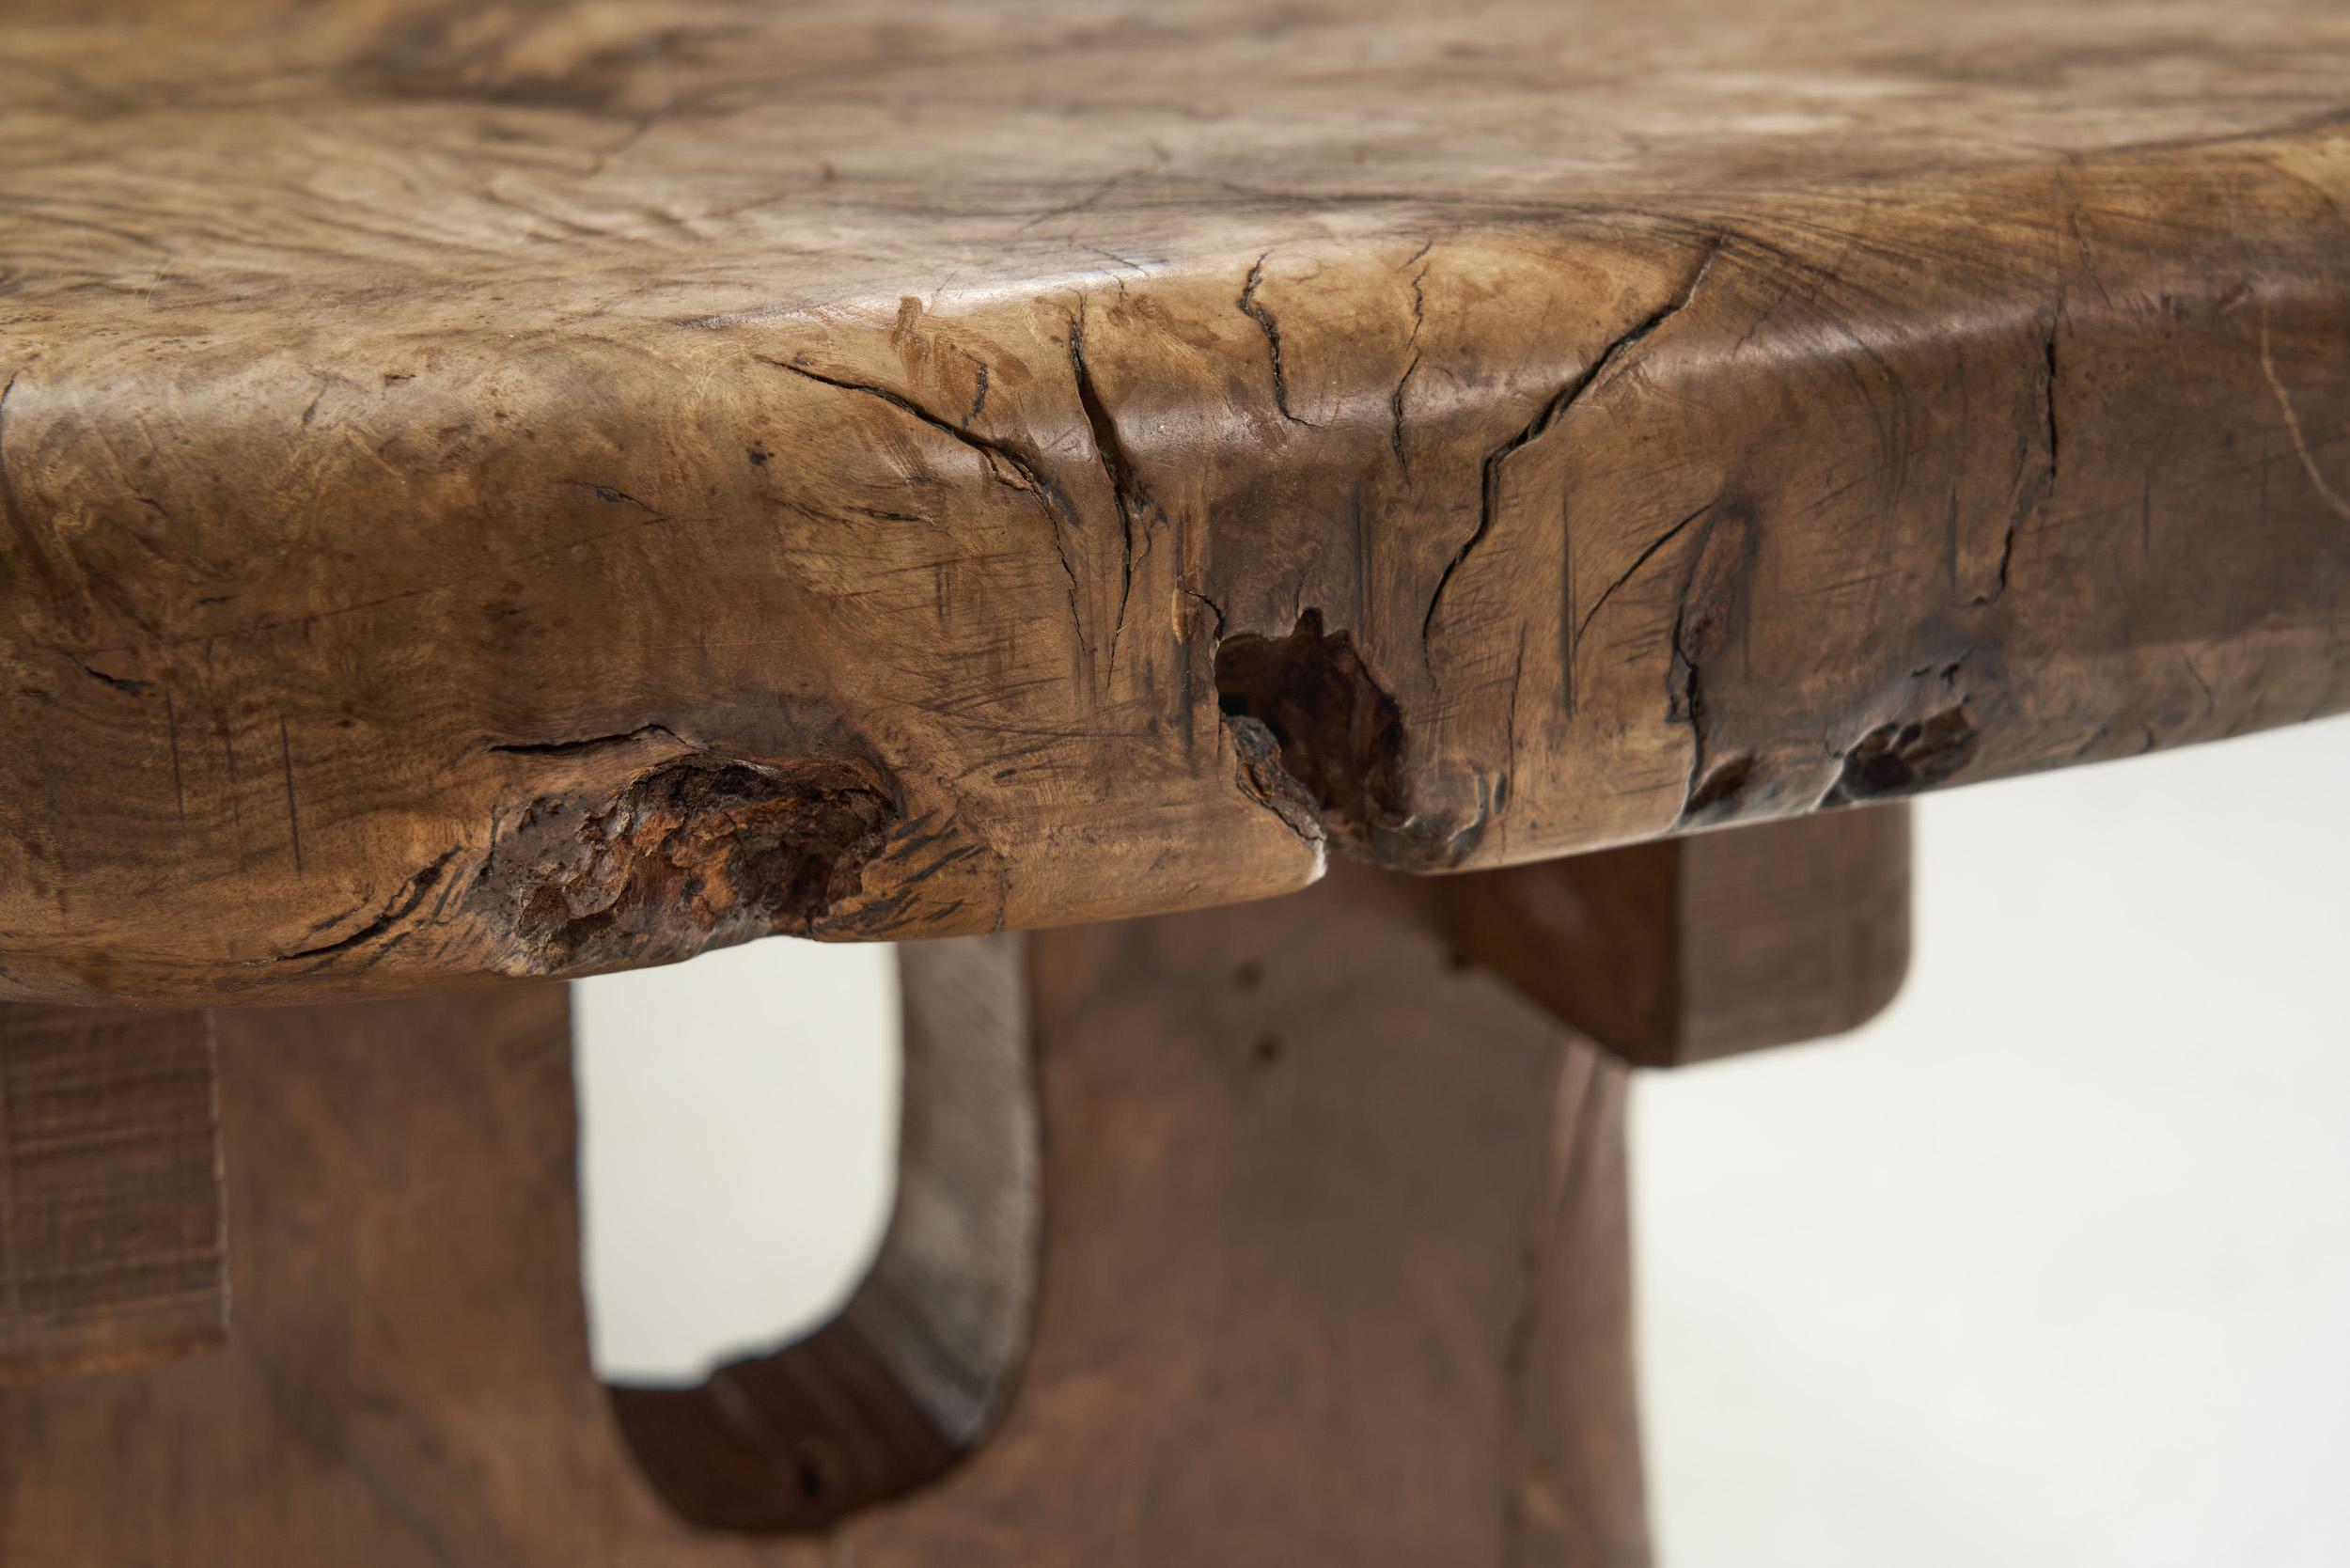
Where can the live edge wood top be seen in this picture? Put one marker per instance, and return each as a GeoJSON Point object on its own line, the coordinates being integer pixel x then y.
{"type": "Point", "coordinates": [536, 487]}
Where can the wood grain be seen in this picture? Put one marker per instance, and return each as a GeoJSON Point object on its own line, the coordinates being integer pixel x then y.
{"type": "Point", "coordinates": [1263, 1337]}
{"type": "Point", "coordinates": [534, 488]}
{"type": "Point", "coordinates": [1693, 947]}
{"type": "Point", "coordinates": [113, 1252]}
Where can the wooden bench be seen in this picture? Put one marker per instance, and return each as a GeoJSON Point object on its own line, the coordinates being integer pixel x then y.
{"type": "Point", "coordinates": [494, 495]}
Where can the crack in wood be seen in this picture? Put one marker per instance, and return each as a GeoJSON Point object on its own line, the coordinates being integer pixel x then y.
{"type": "Point", "coordinates": [1553, 410]}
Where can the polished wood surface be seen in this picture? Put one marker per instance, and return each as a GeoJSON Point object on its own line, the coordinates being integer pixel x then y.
{"type": "Point", "coordinates": [529, 488]}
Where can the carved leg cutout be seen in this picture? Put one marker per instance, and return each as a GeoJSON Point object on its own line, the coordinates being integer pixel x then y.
{"type": "Point", "coordinates": [1334, 1272]}
{"type": "Point", "coordinates": [918, 1364]}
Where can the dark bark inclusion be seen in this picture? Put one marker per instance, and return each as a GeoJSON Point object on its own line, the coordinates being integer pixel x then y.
{"type": "Point", "coordinates": [700, 851]}
{"type": "Point", "coordinates": [1334, 735]}
{"type": "Point", "coordinates": [1904, 758]}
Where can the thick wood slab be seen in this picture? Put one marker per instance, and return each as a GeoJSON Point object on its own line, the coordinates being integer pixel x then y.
{"type": "Point", "coordinates": [541, 489]}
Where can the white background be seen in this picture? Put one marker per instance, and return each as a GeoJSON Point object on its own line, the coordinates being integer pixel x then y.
{"type": "Point", "coordinates": [2050, 1266]}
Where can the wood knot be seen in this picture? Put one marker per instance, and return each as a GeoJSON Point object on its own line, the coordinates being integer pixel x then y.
{"type": "Point", "coordinates": [1316, 731]}
{"type": "Point", "coordinates": [700, 851]}
{"type": "Point", "coordinates": [1904, 756]}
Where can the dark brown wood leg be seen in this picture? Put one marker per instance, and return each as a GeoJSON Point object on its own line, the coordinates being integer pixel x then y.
{"type": "Point", "coordinates": [1335, 1268]}
{"type": "Point", "coordinates": [1333, 1273]}
{"type": "Point", "coordinates": [406, 1385]}
{"type": "Point", "coordinates": [112, 1252]}
{"type": "Point", "coordinates": [1338, 1270]}
{"type": "Point", "coordinates": [919, 1365]}
{"type": "Point", "coordinates": [1685, 949]}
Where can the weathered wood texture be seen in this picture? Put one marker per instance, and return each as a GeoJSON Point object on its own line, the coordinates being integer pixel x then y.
{"type": "Point", "coordinates": [112, 1252]}
{"type": "Point", "coordinates": [1261, 1338]}
{"type": "Point", "coordinates": [1693, 947]}
{"type": "Point", "coordinates": [528, 489]}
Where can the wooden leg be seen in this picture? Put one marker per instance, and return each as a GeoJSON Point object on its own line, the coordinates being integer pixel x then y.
{"type": "Point", "coordinates": [1685, 949]}
{"type": "Point", "coordinates": [1333, 1272]}
{"type": "Point", "coordinates": [407, 1382]}
{"type": "Point", "coordinates": [1336, 1269]}
{"type": "Point", "coordinates": [111, 1246]}
{"type": "Point", "coordinates": [919, 1365]}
